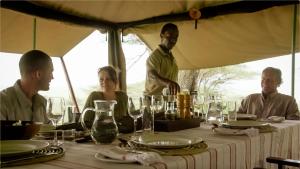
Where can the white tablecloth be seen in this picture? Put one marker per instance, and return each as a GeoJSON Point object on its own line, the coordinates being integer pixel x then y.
{"type": "Point", "coordinates": [237, 152]}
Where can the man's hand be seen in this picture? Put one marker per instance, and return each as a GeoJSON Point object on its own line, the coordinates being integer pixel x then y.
{"type": "Point", "coordinates": [174, 88]}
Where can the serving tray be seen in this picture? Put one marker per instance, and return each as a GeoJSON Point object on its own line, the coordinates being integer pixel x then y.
{"type": "Point", "coordinates": [175, 125]}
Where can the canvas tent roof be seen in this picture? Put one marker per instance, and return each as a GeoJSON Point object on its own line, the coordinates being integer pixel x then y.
{"type": "Point", "coordinates": [223, 36]}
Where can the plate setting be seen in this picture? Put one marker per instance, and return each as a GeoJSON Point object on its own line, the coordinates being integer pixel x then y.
{"type": "Point", "coordinates": [161, 141]}
{"type": "Point", "coordinates": [244, 124]}
{"type": "Point", "coordinates": [19, 147]}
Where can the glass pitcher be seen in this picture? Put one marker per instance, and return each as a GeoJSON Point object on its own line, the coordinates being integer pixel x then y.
{"type": "Point", "coordinates": [104, 129]}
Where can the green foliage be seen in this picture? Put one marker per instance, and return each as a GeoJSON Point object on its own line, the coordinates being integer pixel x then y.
{"type": "Point", "coordinates": [136, 89]}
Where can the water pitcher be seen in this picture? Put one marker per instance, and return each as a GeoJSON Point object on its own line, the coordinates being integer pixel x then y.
{"type": "Point", "coordinates": [104, 129]}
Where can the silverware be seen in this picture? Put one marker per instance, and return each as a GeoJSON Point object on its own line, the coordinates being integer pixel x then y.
{"type": "Point", "coordinates": [48, 153]}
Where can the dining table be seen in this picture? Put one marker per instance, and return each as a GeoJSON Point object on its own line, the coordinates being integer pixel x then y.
{"type": "Point", "coordinates": [223, 151]}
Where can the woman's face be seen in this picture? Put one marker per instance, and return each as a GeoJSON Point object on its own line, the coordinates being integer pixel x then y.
{"type": "Point", "coordinates": [106, 82]}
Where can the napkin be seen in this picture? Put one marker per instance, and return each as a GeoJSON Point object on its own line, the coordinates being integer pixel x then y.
{"type": "Point", "coordinates": [276, 119]}
{"type": "Point", "coordinates": [117, 153]}
{"type": "Point", "coordinates": [251, 132]}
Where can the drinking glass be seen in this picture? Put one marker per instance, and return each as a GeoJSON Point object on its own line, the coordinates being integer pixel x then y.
{"type": "Point", "coordinates": [157, 103]}
{"type": "Point", "coordinates": [223, 111]}
{"type": "Point", "coordinates": [214, 110]}
{"type": "Point", "coordinates": [198, 106]}
{"type": "Point", "coordinates": [55, 111]}
{"type": "Point", "coordinates": [231, 109]}
{"type": "Point", "coordinates": [205, 109]}
{"type": "Point", "coordinates": [136, 107]}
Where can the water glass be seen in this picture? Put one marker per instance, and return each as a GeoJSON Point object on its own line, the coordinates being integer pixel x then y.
{"type": "Point", "coordinates": [231, 109]}
{"type": "Point", "coordinates": [73, 115]}
{"type": "Point", "coordinates": [157, 103]}
{"type": "Point", "coordinates": [69, 135]}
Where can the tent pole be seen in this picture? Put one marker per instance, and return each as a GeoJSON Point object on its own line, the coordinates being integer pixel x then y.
{"type": "Point", "coordinates": [34, 33]}
{"type": "Point", "coordinates": [69, 84]}
{"type": "Point", "coordinates": [294, 41]}
{"type": "Point", "coordinates": [116, 57]}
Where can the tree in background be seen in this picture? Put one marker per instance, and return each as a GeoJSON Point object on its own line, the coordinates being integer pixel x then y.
{"type": "Point", "coordinates": [208, 81]}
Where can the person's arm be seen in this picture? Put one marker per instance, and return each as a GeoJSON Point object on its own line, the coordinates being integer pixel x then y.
{"type": "Point", "coordinates": [293, 111]}
{"type": "Point", "coordinates": [3, 108]}
{"type": "Point", "coordinates": [89, 101]}
{"type": "Point", "coordinates": [89, 115]}
{"type": "Point", "coordinates": [243, 107]}
{"type": "Point", "coordinates": [173, 86]}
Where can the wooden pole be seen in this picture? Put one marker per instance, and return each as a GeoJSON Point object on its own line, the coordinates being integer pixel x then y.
{"type": "Point", "coordinates": [294, 41]}
{"type": "Point", "coordinates": [34, 34]}
{"type": "Point", "coordinates": [69, 85]}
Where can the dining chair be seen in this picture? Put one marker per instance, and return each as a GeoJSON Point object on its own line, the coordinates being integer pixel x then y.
{"type": "Point", "coordinates": [283, 162]}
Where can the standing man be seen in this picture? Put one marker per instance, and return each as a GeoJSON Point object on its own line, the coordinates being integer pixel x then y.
{"type": "Point", "coordinates": [162, 70]}
{"type": "Point", "coordinates": [22, 101]}
{"type": "Point", "coordinates": [269, 102]}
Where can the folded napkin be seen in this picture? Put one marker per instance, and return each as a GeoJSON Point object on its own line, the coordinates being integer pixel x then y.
{"type": "Point", "coordinates": [117, 153]}
{"type": "Point", "coordinates": [276, 119]}
{"type": "Point", "coordinates": [251, 132]}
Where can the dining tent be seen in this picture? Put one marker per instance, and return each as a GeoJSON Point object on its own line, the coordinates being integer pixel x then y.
{"type": "Point", "coordinates": [212, 32]}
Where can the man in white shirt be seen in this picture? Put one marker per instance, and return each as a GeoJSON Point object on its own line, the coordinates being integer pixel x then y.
{"type": "Point", "coordinates": [269, 102]}
{"type": "Point", "coordinates": [22, 101]}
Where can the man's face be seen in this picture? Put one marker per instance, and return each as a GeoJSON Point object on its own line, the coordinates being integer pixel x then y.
{"type": "Point", "coordinates": [269, 82]}
{"type": "Point", "coordinates": [45, 77]}
{"type": "Point", "coordinates": [169, 38]}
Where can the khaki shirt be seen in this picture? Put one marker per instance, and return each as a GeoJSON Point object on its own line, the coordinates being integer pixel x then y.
{"type": "Point", "coordinates": [14, 105]}
{"type": "Point", "coordinates": [276, 104]}
{"type": "Point", "coordinates": [165, 65]}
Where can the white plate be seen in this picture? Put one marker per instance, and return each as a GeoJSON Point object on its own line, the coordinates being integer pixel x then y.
{"type": "Point", "coordinates": [16, 147]}
{"type": "Point", "coordinates": [243, 124]}
{"type": "Point", "coordinates": [167, 141]}
{"type": "Point", "coordinates": [103, 158]}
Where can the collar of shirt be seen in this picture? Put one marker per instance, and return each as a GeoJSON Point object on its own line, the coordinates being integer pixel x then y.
{"type": "Point", "coordinates": [270, 96]}
{"type": "Point", "coordinates": [23, 99]}
{"type": "Point", "coordinates": [165, 53]}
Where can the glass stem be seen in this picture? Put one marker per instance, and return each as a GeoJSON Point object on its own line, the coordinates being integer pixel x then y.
{"type": "Point", "coordinates": [152, 114]}
{"type": "Point", "coordinates": [55, 141]}
{"type": "Point", "coordinates": [55, 137]}
{"type": "Point", "coordinates": [134, 127]}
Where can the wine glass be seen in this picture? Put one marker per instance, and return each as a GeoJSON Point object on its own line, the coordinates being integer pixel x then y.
{"type": "Point", "coordinates": [136, 108]}
{"type": "Point", "coordinates": [198, 101]}
{"type": "Point", "coordinates": [205, 109]}
{"type": "Point", "coordinates": [55, 111]}
{"type": "Point", "coordinates": [157, 103]}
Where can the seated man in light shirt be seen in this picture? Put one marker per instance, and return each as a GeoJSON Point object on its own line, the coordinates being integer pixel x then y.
{"type": "Point", "coordinates": [269, 102]}
{"type": "Point", "coordinates": [22, 101]}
